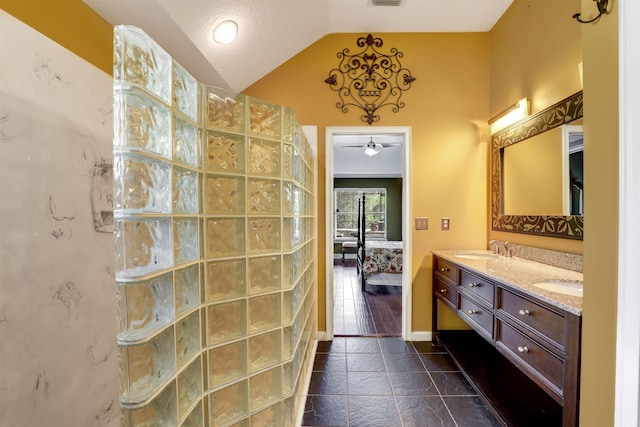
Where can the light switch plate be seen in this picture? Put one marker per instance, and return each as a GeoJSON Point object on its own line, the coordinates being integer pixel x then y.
{"type": "Point", "coordinates": [422, 223]}
{"type": "Point", "coordinates": [444, 224]}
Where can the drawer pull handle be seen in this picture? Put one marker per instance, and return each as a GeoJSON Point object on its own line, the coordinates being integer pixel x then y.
{"type": "Point", "coordinates": [523, 349]}
{"type": "Point", "coordinates": [524, 312]}
{"type": "Point", "coordinates": [444, 269]}
{"type": "Point", "coordinates": [473, 285]}
{"type": "Point", "coordinates": [443, 291]}
{"type": "Point", "coordinates": [472, 312]}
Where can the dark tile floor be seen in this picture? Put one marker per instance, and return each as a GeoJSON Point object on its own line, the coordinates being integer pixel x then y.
{"type": "Point", "coordinates": [387, 382]}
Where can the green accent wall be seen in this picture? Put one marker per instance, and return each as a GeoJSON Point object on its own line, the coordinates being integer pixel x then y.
{"type": "Point", "coordinates": [394, 201]}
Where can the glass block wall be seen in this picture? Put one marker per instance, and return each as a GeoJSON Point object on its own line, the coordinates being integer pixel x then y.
{"type": "Point", "coordinates": [215, 248]}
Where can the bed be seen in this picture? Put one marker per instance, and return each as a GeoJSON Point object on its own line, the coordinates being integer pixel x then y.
{"type": "Point", "coordinates": [379, 262]}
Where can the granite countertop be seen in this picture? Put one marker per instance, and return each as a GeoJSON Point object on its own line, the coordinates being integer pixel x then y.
{"type": "Point", "coordinates": [519, 273]}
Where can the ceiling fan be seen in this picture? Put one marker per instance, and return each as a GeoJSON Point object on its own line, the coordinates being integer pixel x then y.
{"type": "Point", "coordinates": [372, 148]}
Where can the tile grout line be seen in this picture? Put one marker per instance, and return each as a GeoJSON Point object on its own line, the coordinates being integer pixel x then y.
{"type": "Point", "coordinates": [437, 388]}
{"type": "Point", "coordinates": [375, 347]}
{"type": "Point", "coordinates": [393, 392]}
{"type": "Point", "coordinates": [346, 378]}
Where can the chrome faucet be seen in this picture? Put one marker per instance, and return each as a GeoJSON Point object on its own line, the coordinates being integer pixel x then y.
{"type": "Point", "coordinates": [495, 243]}
{"type": "Point", "coordinates": [508, 250]}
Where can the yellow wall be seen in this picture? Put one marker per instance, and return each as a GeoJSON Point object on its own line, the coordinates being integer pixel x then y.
{"type": "Point", "coordinates": [70, 23]}
{"type": "Point", "coordinates": [443, 107]}
{"type": "Point", "coordinates": [535, 51]}
{"type": "Point", "coordinates": [532, 171]}
{"type": "Point", "coordinates": [600, 50]}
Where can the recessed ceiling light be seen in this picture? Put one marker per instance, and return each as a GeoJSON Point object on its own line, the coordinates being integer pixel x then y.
{"type": "Point", "coordinates": [225, 32]}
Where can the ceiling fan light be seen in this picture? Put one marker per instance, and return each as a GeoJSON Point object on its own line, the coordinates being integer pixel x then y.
{"type": "Point", "coordinates": [371, 149]}
{"type": "Point", "coordinates": [225, 32]}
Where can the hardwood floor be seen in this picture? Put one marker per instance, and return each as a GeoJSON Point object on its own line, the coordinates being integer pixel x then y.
{"type": "Point", "coordinates": [377, 312]}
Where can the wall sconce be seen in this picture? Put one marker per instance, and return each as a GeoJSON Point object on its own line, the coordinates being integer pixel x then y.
{"type": "Point", "coordinates": [371, 149]}
{"type": "Point", "coordinates": [517, 111]}
{"type": "Point", "coordinates": [225, 32]}
{"type": "Point", "coordinates": [602, 10]}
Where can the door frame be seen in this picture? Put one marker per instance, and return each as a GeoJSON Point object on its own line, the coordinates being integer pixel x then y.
{"type": "Point", "coordinates": [627, 395]}
{"type": "Point", "coordinates": [407, 275]}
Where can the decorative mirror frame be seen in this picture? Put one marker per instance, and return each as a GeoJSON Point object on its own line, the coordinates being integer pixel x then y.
{"type": "Point", "coordinates": [567, 226]}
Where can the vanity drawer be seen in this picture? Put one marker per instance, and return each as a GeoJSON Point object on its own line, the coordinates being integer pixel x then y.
{"type": "Point", "coordinates": [477, 286]}
{"type": "Point", "coordinates": [541, 363]}
{"type": "Point", "coordinates": [446, 269]}
{"type": "Point", "coordinates": [545, 321]}
{"type": "Point", "coordinates": [446, 293]}
{"type": "Point", "coordinates": [477, 315]}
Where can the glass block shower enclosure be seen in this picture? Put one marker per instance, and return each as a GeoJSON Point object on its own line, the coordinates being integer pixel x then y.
{"type": "Point", "coordinates": [215, 248]}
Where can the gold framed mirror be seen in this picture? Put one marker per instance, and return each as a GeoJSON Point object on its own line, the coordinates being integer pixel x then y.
{"type": "Point", "coordinates": [562, 113]}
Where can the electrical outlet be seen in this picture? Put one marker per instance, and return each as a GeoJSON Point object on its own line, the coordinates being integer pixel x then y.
{"type": "Point", "coordinates": [444, 224]}
{"type": "Point", "coordinates": [422, 223]}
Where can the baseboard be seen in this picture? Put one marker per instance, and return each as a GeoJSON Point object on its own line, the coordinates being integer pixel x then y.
{"type": "Point", "coordinates": [346, 256]}
{"type": "Point", "coordinates": [421, 336]}
{"type": "Point", "coordinates": [414, 336]}
{"type": "Point", "coordinates": [307, 382]}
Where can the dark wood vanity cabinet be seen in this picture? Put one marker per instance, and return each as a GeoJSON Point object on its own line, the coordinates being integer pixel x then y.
{"type": "Point", "coordinates": [531, 349]}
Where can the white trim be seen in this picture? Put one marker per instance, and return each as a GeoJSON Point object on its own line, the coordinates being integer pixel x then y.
{"type": "Point", "coordinates": [328, 225]}
{"type": "Point", "coordinates": [567, 131]}
{"type": "Point", "coordinates": [311, 132]}
{"type": "Point", "coordinates": [421, 336]}
{"type": "Point", "coordinates": [406, 220]}
{"type": "Point", "coordinates": [307, 383]}
{"type": "Point", "coordinates": [407, 238]}
{"type": "Point", "coordinates": [627, 399]}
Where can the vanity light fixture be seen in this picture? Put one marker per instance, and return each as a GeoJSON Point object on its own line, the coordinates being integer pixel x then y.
{"type": "Point", "coordinates": [371, 149]}
{"type": "Point", "coordinates": [511, 115]}
{"type": "Point", "coordinates": [225, 32]}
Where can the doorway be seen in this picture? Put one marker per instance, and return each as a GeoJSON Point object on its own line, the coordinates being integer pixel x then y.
{"type": "Point", "coordinates": [390, 138]}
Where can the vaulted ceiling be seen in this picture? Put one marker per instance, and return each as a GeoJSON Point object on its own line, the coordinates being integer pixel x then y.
{"type": "Point", "coordinates": [272, 31]}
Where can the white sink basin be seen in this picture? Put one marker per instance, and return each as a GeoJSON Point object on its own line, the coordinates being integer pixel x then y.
{"type": "Point", "coordinates": [476, 256]}
{"type": "Point", "coordinates": [561, 287]}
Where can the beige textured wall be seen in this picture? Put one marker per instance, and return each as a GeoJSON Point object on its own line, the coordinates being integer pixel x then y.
{"type": "Point", "coordinates": [58, 358]}
{"type": "Point", "coordinates": [70, 23]}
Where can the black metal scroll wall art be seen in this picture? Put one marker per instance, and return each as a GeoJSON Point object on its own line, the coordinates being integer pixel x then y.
{"type": "Point", "coordinates": [370, 79]}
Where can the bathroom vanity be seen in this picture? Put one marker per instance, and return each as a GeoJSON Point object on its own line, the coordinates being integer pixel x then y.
{"type": "Point", "coordinates": [522, 353]}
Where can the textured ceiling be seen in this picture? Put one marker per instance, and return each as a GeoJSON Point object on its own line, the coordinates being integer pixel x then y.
{"type": "Point", "coordinates": [272, 31]}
